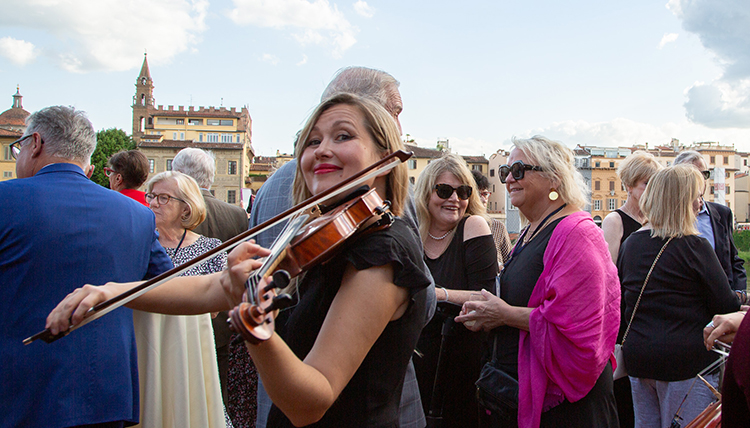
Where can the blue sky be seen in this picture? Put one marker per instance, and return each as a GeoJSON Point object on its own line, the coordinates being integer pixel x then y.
{"type": "Point", "coordinates": [474, 72]}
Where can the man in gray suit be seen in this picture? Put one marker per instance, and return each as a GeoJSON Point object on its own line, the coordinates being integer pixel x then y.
{"type": "Point", "coordinates": [223, 221]}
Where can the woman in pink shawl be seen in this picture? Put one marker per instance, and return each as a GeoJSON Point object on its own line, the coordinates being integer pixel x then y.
{"type": "Point", "coordinates": [558, 310]}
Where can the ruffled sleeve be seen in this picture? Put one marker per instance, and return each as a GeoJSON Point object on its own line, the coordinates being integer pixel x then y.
{"type": "Point", "coordinates": [397, 246]}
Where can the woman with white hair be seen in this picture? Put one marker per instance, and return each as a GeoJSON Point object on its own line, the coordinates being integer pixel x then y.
{"type": "Point", "coordinates": [178, 370]}
{"type": "Point", "coordinates": [555, 320]}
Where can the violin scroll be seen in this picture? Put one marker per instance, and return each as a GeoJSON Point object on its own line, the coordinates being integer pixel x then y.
{"type": "Point", "coordinates": [255, 322]}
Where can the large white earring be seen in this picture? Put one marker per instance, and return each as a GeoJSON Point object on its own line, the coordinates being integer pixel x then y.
{"type": "Point", "coordinates": [553, 195]}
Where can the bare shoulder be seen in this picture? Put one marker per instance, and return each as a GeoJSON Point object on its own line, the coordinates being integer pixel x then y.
{"type": "Point", "coordinates": [475, 226]}
{"type": "Point", "coordinates": [612, 224]}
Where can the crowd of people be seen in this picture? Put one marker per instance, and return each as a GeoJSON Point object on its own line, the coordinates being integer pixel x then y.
{"type": "Point", "coordinates": [426, 315]}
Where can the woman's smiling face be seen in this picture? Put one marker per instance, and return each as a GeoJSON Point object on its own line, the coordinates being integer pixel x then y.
{"type": "Point", "coordinates": [338, 147]}
{"type": "Point", "coordinates": [446, 213]}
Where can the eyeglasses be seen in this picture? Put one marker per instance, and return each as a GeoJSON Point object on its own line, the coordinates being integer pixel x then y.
{"type": "Point", "coordinates": [517, 169]}
{"type": "Point", "coordinates": [109, 172]}
{"type": "Point", "coordinates": [445, 191]}
{"type": "Point", "coordinates": [706, 174]}
{"type": "Point", "coordinates": [163, 198]}
{"type": "Point", "coordinates": [15, 147]}
{"type": "Point", "coordinates": [485, 193]}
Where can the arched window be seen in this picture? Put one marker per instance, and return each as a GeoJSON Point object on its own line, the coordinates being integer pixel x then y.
{"type": "Point", "coordinates": [141, 124]}
{"type": "Point", "coordinates": [143, 99]}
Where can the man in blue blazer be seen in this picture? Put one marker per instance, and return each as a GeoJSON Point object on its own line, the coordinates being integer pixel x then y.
{"type": "Point", "coordinates": [59, 231]}
{"type": "Point", "coordinates": [715, 222]}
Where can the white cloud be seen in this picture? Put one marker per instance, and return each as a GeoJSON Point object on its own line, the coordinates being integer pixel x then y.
{"type": "Point", "coordinates": [364, 9]}
{"type": "Point", "coordinates": [271, 59]}
{"type": "Point", "coordinates": [89, 35]}
{"type": "Point", "coordinates": [314, 22]}
{"type": "Point", "coordinates": [724, 29]}
{"type": "Point", "coordinates": [303, 61]}
{"type": "Point", "coordinates": [720, 104]}
{"type": "Point", "coordinates": [668, 38]}
{"type": "Point", "coordinates": [19, 52]}
{"type": "Point", "coordinates": [625, 133]}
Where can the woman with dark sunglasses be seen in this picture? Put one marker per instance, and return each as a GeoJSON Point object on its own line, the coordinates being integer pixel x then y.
{"type": "Point", "coordinates": [555, 321]}
{"type": "Point", "coordinates": [461, 255]}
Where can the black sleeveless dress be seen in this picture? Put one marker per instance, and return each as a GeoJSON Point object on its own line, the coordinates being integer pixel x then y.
{"type": "Point", "coordinates": [464, 265]}
{"type": "Point", "coordinates": [623, 395]}
{"type": "Point", "coordinates": [629, 225]}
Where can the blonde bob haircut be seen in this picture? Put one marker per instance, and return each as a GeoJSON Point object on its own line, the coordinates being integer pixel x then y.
{"type": "Point", "coordinates": [384, 132]}
{"type": "Point", "coordinates": [668, 199]}
{"type": "Point", "coordinates": [188, 191]}
{"type": "Point", "coordinates": [558, 166]}
{"type": "Point", "coordinates": [637, 167]}
{"type": "Point", "coordinates": [427, 180]}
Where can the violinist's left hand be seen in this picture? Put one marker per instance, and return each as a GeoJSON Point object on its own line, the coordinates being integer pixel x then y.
{"type": "Point", "coordinates": [240, 264]}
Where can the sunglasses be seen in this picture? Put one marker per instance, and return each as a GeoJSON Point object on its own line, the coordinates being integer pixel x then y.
{"type": "Point", "coordinates": [517, 170]}
{"type": "Point", "coordinates": [109, 172]}
{"type": "Point", "coordinates": [444, 191]}
{"type": "Point", "coordinates": [706, 174]}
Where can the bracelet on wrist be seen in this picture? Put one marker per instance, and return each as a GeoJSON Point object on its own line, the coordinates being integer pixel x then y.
{"type": "Point", "coordinates": [446, 294]}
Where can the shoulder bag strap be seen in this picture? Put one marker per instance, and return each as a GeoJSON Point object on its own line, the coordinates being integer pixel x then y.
{"type": "Point", "coordinates": [638, 302]}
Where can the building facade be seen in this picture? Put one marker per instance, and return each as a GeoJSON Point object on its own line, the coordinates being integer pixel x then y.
{"type": "Point", "coordinates": [263, 167]}
{"type": "Point", "coordinates": [160, 133]}
{"type": "Point", "coordinates": [12, 127]}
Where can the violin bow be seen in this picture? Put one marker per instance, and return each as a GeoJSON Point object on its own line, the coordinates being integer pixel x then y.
{"type": "Point", "coordinates": [386, 164]}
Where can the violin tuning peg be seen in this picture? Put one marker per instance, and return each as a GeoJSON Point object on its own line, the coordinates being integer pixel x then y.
{"type": "Point", "coordinates": [280, 279]}
{"type": "Point", "coordinates": [280, 302]}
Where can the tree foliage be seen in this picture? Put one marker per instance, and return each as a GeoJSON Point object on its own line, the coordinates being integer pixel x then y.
{"type": "Point", "coordinates": [108, 142]}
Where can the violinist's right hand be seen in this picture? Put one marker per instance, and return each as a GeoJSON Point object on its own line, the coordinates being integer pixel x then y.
{"type": "Point", "coordinates": [74, 306]}
{"type": "Point", "coordinates": [241, 262]}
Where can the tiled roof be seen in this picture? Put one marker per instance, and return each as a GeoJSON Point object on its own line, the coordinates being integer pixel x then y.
{"type": "Point", "coordinates": [181, 144]}
{"type": "Point", "coordinates": [14, 116]}
{"type": "Point", "coordinates": [475, 159]}
{"type": "Point", "coordinates": [421, 152]}
{"type": "Point", "coordinates": [261, 167]}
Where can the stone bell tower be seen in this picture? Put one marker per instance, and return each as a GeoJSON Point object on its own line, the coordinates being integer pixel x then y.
{"type": "Point", "coordinates": [143, 101]}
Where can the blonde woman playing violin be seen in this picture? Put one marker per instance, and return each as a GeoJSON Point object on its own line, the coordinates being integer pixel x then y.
{"type": "Point", "coordinates": [346, 345]}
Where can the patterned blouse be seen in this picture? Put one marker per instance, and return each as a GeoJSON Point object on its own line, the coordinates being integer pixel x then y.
{"type": "Point", "coordinates": [200, 246]}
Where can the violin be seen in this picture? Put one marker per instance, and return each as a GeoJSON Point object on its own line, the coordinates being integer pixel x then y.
{"type": "Point", "coordinates": [387, 163]}
{"type": "Point", "coordinates": [314, 244]}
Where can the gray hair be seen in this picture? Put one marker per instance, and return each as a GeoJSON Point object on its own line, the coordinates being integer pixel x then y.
{"type": "Point", "coordinates": [688, 156]}
{"type": "Point", "coordinates": [362, 81]}
{"type": "Point", "coordinates": [67, 133]}
{"type": "Point", "coordinates": [197, 163]}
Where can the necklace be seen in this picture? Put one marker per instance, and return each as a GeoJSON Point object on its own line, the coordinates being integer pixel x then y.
{"type": "Point", "coordinates": [440, 238]}
{"type": "Point", "coordinates": [180, 244]}
{"type": "Point", "coordinates": [542, 224]}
